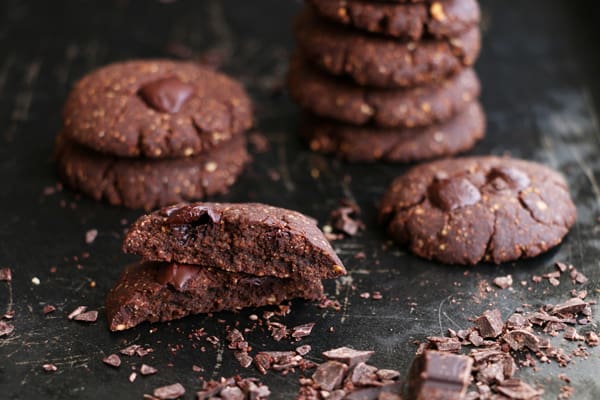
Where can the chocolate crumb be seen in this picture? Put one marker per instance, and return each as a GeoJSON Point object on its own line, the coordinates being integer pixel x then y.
{"type": "Point", "coordinates": [132, 377]}
{"type": "Point", "coordinates": [243, 358]}
{"type": "Point", "coordinates": [346, 218]}
{"type": "Point", "coordinates": [89, 316]}
{"type": "Point", "coordinates": [301, 331]}
{"type": "Point", "coordinates": [348, 356]}
{"type": "Point", "coordinates": [169, 392]}
{"type": "Point", "coordinates": [303, 350]}
{"type": "Point", "coordinates": [147, 370]}
{"type": "Point", "coordinates": [503, 282]}
{"type": "Point", "coordinates": [48, 308]}
{"type": "Point", "coordinates": [91, 235]}
{"type": "Point", "coordinates": [76, 312]}
{"type": "Point", "coordinates": [5, 274]}
{"type": "Point", "coordinates": [591, 338]}
{"type": "Point", "coordinates": [517, 389]}
{"type": "Point", "coordinates": [50, 367]}
{"type": "Point", "coordinates": [113, 360]}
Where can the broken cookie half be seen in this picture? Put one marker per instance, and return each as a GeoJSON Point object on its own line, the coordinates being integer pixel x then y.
{"type": "Point", "coordinates": [208, 257]}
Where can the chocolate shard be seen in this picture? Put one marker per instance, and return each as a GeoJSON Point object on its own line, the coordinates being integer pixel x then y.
{"type": "Point", "coordinates": [363, 375]}
{"type": "Point", "coordinates": [520, 339]}
{"type": "Point", "coordinates": [348, 356]}
{"type": "Point", "coordinates": [435, 376]}
{"type": "Point", "coordinates": [490, 323]}
{"type": "Point", "coordinates": [113, 360]}
{"type": "Point", "coordinates": [329, 375]}
{"type": "Point", "coordinates": [147, 370]}
{"type": "Point", "coordinates": [442, 343]}
{"type": "Point", "coordinates": [250, 238]}
{"type": "Point", "coordinates": [169, 392]}
{"type": "Point", "coordinates": [6, 328]}
{"type": "Point", "coordinates": [156, 292]}
{"type": "Point", "coordinates": [572, 306]}
{"type": "Point", "coordinates": [518, 390]}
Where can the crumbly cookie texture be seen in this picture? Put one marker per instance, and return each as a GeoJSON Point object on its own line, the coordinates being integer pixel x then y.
{"type": "Point", "coordinates": [467, 210]}
{"type": "Point", "coordinates": [147, 183]}
{"type": "Point", "coordinates": [156, 292]}
{"type": "Point", "coordinates": [346, 102]}
{"type": "Point", "coordinates": [155, 109]}
{"type": "Point", "coordinates": [377, 61]}
{"type": "Point", "coordinates": [413, 20]}
{"type": "Point", "coordinates": [251, 238]}
{"type": "Point", "coordinates": [371, 144]}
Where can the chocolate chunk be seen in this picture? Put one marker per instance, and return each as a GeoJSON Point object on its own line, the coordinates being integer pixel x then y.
{"type": "Point", "coordinates": [91, 235]}
{"type": "Point", "coordinates": [89, 316]}
{"type": "Point", "coordinates": [521, 338]}
{"type": "Point", "coordinates": [113, 360]}
{"type": "Point", "coordinates": [387, 374]}
{"type": "Point", "coordinates": [232, 393]}
{"type": "Point", "coordinates": [194, 290]}
{"type": "Point", "coordinates": [243, 358]}
{"type": "Point", "coordinates": [301, 331]}
{"type": "Point", "coordinates": [166, 95]}
{"type": "Point", "coordinates": [76, 312]}
{"type": "Point", "coordinates": [571, 334]}
{"type": "Point", "coordinates": [363, 375]}
{"type": "Point", "coordinates": [441, 343]}
{"type": "Point", "coordinates": [514, 178]}
{"type": "Point", "coordinates": [49, 367]}
{"type": "Point", "coordinates": [572, 306]}
{"type": "Point", "coordinates": [518, 390]}
{"type": "Point", "coordinates": [303, 350]}
{"type": "Point", "coordinates": [251, 238]}
{"type": "Point", "coordinates": [147, 370]}
{"type": "Point", "coordinates": [329, 375]}
{"type": "Point", "coordinates": [517, 321]}
{"type": "Point", "coordinates": [490, 323]}
{"type": "Point", "coordinates": [5, 274]}
{"type": "Point", "coordinates": [198, 214]}
{"type": "Point", "coordinates": [348, 356]}
{"type": "Point", "coordinates": [449, 194]}
{"type": "Point", "coordinates": [48, 308]}
{"type": "Point", "coordinates": [169, 392]}
{"type": "Point", "coordinates": [591, 338]}
{"type": "Point", "coordinates": [345, 218]}
{"type": "Point", "coordinates": [435, 375]}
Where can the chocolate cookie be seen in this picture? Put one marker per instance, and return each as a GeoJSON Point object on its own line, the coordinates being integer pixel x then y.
{"type": "Point", "coordinates": [155, 292]}
{"type": "Point", "coordinates": [251, 238]}
{"type": "Point", "coordinates": [143, 183]}
{"type": "Point", "coordinates": [347, 102]}
{"type": "Point", "coordinates": [411, 20]}
{"type": "Point", "coordinates": [155, 108]}
{"type": "Point", "coordinates": [368, 144]}
{"type": "Point", "coordinates": [467, 210]}
{"type": "Point", "coordinates": [383, 62]}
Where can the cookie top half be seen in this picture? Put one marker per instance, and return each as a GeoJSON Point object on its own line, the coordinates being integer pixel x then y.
{"type": "Point", "coordinates": [467, 210]}
{"type": "Point", "coordinates": [155, 109]}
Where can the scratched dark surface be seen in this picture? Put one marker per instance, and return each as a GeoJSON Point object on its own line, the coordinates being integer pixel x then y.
{"type": "Point", "coordinates": [541, 92]}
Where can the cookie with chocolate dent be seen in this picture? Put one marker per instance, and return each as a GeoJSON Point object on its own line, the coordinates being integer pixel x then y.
{"type": "Point", "coordinates": [467, 210]}
{"type": "Point", "coordinates": [413, 20]}
{"type": "Point", "coordinates": [153, 292]}
{"type": "Point", "coordinates": [252, 238]}
{"type": "Point", "coordinates": [149, 183]}
{"type": "Point", "coordinates": [376, 61]}
{"type": "Point", "coordinates": [347, 102]}
{"type": "Point", "coordinates": [370, 144]}
{"type": "Point", "coordinates": [156, 109]}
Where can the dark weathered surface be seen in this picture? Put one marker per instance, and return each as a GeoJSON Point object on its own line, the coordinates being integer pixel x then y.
{"type": "Point", "coordinates": [539, 70]}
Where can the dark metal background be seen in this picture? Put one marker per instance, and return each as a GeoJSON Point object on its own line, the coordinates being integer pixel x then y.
{"type": "Point", "coordinates": [539, 68]}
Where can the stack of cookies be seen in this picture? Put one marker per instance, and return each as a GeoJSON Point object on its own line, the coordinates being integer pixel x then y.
{"type": "Point", "coordinates": [388, 81]}
{"type": "Point", "coordinates": [143, 134]}
{"type": "Point", "coordinates": [205, 257]}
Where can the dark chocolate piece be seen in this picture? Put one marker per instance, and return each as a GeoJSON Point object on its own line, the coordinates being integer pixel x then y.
{"type": "Point", "coordinates": [169, 392]}
{"type": "Point", "coordinates": [490, 323]}
{"type": "Point", "coordinates": [113, 360]}
{"type": "Point", "coordinates": [251, 238]}
{"type": "Point", "coordinates": [348, 356]}
{"type": "Point", "coordinates": [439, 376]}
{"type": "Point", "coordinates": [162, 292]}
{"type": "Point", "coordinates": [166, 95]}
{"type": "Point", "coordinates": [330, 375]}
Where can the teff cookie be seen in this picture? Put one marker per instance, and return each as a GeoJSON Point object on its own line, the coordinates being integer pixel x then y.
{"type": "Point", "coordinates": [144, 183]}
{"type": "Point", "coordinates": [346, 102]}
{"type": "Point", "coordinates": [369, 144]}
{"type": "Point", "coordinates": [156, 109]}
{"type": "Point", "coordinates": [383, 62]}
{"type": "Point", "coordinates": [251, 238]}
{"type": "Point", "coordinates": [467, 210]}
{"type": "Point", "coordinates": [403, 19]}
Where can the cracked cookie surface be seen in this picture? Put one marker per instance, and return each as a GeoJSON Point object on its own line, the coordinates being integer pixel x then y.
{"type": "Point", "coordinates": [347, 102]}
{"type": "Point", "coordinates": [155, 109]}
{"type": "Point", "coordinates": [473, 209]}
{"type": "Point", "coordinates": [404, 19]}
{"type": "Point", "coordinates": [251, 238]}
{"type": "Point", "coordinates": [146, 183]}
{"type": "Point", "coordinates": [383, 62]}
{"type": "Point", "coordinates": [370, 144]}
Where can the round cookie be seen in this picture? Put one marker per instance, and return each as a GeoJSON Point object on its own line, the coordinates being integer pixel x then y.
{"type": "Point", "coordinates": [144, 183]}
{"type": "Point", "coordinates": [347, 102]}
{"type": "Point", "coordinates": [383, 62]}
{"type": "Point", "coordinates": [156, 109]}
{"type": "Point", "coordinates": [404, 20]}
{"type": "Point", "coordinates": [467, 210]}
{"type": "Point", "coordinates": [367, 144]}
